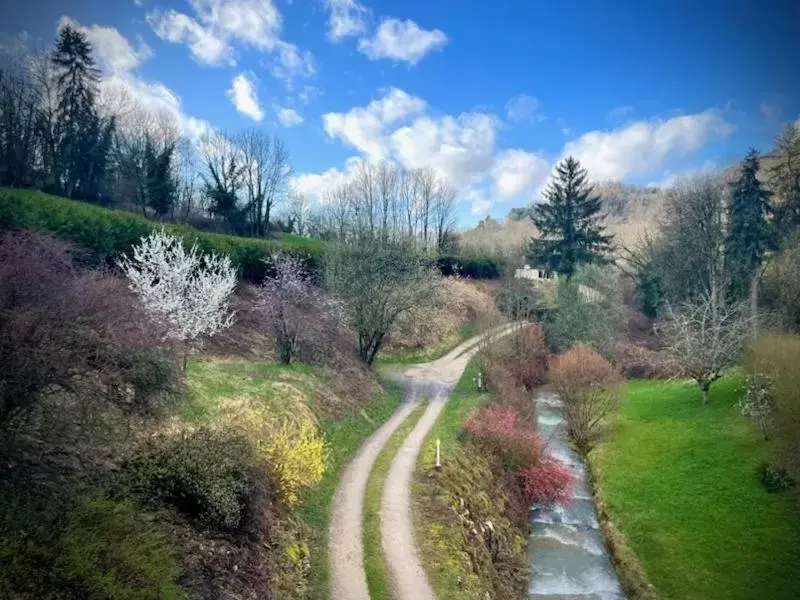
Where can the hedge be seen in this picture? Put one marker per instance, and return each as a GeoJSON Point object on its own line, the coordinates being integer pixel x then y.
{"type": "Point", "coordinates": [470, 266]}
{"type": "Point", "coordinates": [104, 234]}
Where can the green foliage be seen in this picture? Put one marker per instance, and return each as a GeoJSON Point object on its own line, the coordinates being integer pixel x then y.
{"type": "Point", "coordinates": [569, 223]}
{"type": "Point", "coordinates": [148, 371]}
{"type": "Point", "coordinates": [678, 478]}
{"type": "Point", "coordinates": [104, 234]}
{"type": "Point", "coordinates": [474, 267]}
{"type": "Point", "coordinates": [749, 234]}
{"type": "Point", "coordinates": [209, 474]}
{"type": "Point", "coordinates": [111, 552]}
{"type": "Point", "coordinates": [590, 310]}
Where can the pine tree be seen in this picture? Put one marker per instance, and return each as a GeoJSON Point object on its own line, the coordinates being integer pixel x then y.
{"type": "Point", "coordinates": [784, 179]}
{"type": "Point", "coordinates": [749, 234]}
{"type": "Point", "coordinates": [569, 223]}
{"type": "Point", "coordinates": [160, 184]}
{"type": "Point", "coordinates": [83, 138]}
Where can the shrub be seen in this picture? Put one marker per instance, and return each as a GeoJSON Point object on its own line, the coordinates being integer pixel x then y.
{"type": "Point", "coordinates": [109, 551]}
{"type": "Point", "coordinates": [149, 371]}
{"type": "Point", "coordinates": [508, 390]}
{"type": "Point", "coordinates": [589, 387]}
{"type": "Point", "coordinates": [549, 482]}
{"type": "Point", "coordinates": [590, 310]}
{"type": "Point", "coordinates": [518, 299]}
{"type": "Point", "coordinates": [499, 429]}
{"type": "Point", "coordinates": [758, 401]}
{"type": "Point", "coordinates": [61, 326]}
{"type": "Point", "coordinates": [775, 479]}
{"type": "Point", "coordinates": [105, 233]}
{"type": "Point", "coordinates": [530, 358]}
{"type": "Point", "coordinates": [209, 474]}
{"type": "Point", "coordinates": [467, 266]}
{"type": "Point", "coordinates": [776, 356]}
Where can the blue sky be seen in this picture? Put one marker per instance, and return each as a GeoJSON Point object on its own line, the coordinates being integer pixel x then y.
{"type": "Point", "coordinates": [490, 94]}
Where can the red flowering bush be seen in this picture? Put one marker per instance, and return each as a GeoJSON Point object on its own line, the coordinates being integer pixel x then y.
{"type": "Point", "coordinates": [548, 482]}
{"type": "Point", "coordinates": [499, 428]}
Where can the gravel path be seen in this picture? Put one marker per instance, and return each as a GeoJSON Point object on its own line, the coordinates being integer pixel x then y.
{"type": "Point", "coordinates": [432, 380]}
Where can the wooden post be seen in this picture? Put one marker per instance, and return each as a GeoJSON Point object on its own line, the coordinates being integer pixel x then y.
{"type": "Point", "coordinates": [438, 454]}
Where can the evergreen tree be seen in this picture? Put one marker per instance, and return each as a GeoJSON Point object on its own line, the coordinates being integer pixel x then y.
{"type": "Point", "coordinates": [160, 184]}
{"type": "Point", "coordinates": [784, 179]}
{"type": "Point", "coordinates": [569, 223]}
{"type": "Point", "coordinates": [749, 234]}
{"type": "Point", "coordinates": [82, 137]}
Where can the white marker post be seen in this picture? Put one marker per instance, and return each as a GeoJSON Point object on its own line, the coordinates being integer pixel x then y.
{"type": "Point", "coordinates": [438, 454]}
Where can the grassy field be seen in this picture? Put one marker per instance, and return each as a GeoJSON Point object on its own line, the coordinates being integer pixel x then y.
{"type": "Point", "coordinates": [679, 480]}
{"type": "Point", "coordinates": [213, 384]}
{"type": "Point", "coordinates": [378, 580]}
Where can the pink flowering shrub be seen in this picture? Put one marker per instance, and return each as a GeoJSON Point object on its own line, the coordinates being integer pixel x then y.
{"type": "Point", "coordinates": [548, 482]}
{"type": "Point", "coordinates": [500, 429]}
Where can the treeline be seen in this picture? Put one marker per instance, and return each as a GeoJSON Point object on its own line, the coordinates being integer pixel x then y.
{"type": "Point", "coordinates": [63, 133]}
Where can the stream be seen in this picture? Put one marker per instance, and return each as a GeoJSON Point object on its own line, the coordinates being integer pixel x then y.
{"type": "Point", "coordinates": [568, 555]}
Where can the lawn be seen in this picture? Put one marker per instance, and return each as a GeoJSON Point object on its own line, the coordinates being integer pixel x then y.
{"type": "Point", "coordinates": [679, 480]}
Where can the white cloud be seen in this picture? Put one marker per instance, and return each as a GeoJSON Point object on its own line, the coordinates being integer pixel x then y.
{"type": "Point", "coordinates": [113, 53]}
{"type": "Point", "coordinates": [244, 97]}
{"type": "Point", "coordinates": [206, 47]}
{"type": "Point", "coordinates": [459, 148]}
{"type": "Point", "coordinates": [643, 146]}
{"type": "Point", "coordinates": [619, 112]}
{"type": "Point", "coordinates": [517, 171]}
{"type": "Point", "coordinates": [288, 116]}
{"type": "Point", "coordinates": [479, 204]}
{"type": "Point", "coordinates": [670, 178]}
{"type": "Point", "coordinates": [524, 108]}
{"type": "Point", "coordinates": [319, 185]}
{"type": "Point", "coordinates": [218, 23]}
{"type": "Point", "coordinates": [402, 41]}
{"type": "Point", "coordinates": [292, 63]}
{"type": "Point", "coordinates": [364, 127]}
{"type": "Point", "coordinates": [347, 18]}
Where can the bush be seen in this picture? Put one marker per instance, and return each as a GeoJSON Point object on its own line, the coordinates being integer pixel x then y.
{"type": "Point", "coordinates": [530, 358]}
{"type": "Point", "coordinates": [472, 267]}
{"type": "Point", "coordinates": [590, 310]}
{"type": "Point", "coordinates": [775, 479]}
{"type": "Point", "coordinates": [149, 371]}
{"type": "Point", "coordinates": [61, 326]}
{"type": "Point", "coordinates": [546, 483]}
{"type": "Point", "coordinates": [500, 430]}
{"type": "Point", "coordinates": [211, 475]}
{"type": "Point", "coordinates": [589, 387]}
{"type": "Point", "coordinates": [109, 551]}
{"type": "Point", "coordinates": [105, 234]}
{"type": "Point", "coordinates": [775, 357]}
{"type": "Point", "coordinates": [518, 299]}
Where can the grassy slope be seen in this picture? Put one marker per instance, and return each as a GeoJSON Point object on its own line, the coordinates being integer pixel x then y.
{"type": "Point", "coordinates": [679, 481]}
{"type": "Point", "coordinates": [280, 386]}
{"type": "Point", "coordinates": [378, 579]}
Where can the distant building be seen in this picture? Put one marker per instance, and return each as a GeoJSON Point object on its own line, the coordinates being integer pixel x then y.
{"type": "Point", "coordinates": [528, 273]}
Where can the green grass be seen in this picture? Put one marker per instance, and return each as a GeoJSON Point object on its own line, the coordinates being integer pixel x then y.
{"type": "Point", "coordinates": [679, 480]}
{"type": "Point", "coordinates": [423, 355]}
{"type": "Point", "coordinates": [344, 437]}
{"type": "Point", "coordinates": [378, 580]}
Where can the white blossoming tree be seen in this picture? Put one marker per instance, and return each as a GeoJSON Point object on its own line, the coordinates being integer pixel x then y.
{"type": "Point", "coordinates": [187, 292]}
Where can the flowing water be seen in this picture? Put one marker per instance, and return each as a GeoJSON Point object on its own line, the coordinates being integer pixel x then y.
{"type": "Point", "coordinates": [569, 557]}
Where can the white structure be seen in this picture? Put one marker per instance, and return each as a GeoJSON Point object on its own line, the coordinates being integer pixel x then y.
{"type": "Point", "coordinates": [528, 273]}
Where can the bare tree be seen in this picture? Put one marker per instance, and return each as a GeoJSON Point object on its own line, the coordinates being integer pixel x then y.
{"type": "Point", "coordinates": [707, 337]}
{"type": "Point", "coordinates": [298, 212]}
{"type": "Point", "coordinates": [379, 281]}
{"type": "Point", "coordinates": [386, 184]}
{"type": "Point", "coordinates": [426, 186]}
{"type": "Point", "coordinates": [408, 195]}
{"type": "Point", "coordinates": [266, 172]}
{"type": "Point", "coordinates": [443, 212]}
{"type": "Point", "coordinates": [223, 176]}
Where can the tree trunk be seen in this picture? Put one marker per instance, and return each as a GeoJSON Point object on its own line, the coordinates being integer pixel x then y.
{"type": "Point", "coordinates": [704, 388]}
{"type": "Point", "coordinates": [754, 304]}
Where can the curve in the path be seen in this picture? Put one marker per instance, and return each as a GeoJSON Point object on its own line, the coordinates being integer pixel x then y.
{"type": "Point", "coordinates": [346, 553]}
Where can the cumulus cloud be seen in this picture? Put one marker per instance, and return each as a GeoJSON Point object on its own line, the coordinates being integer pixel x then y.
{"type": "Point", "coordinates": [245, 98]}
{"type": "Point", "coordinates": [643, 146]}
{"type": "Point", "coordinates": [524, 108]}
{"type": "Point", "coordinates": [288, 116]}
{"type": "Point", "coordinates": [346, 18]}
{"type": "Point", "coordinates": [206, 47]}
{"type": "Point", "coordinates": [292, 63]}
{"type": "Point", "coordinates": [403, 41]}
{"type": "Point", "coordinates": [364, 127]}
{"type": "Point", "coordinates": [516, 171]}
{"type": "Point", "coordinates": [319, 185]}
